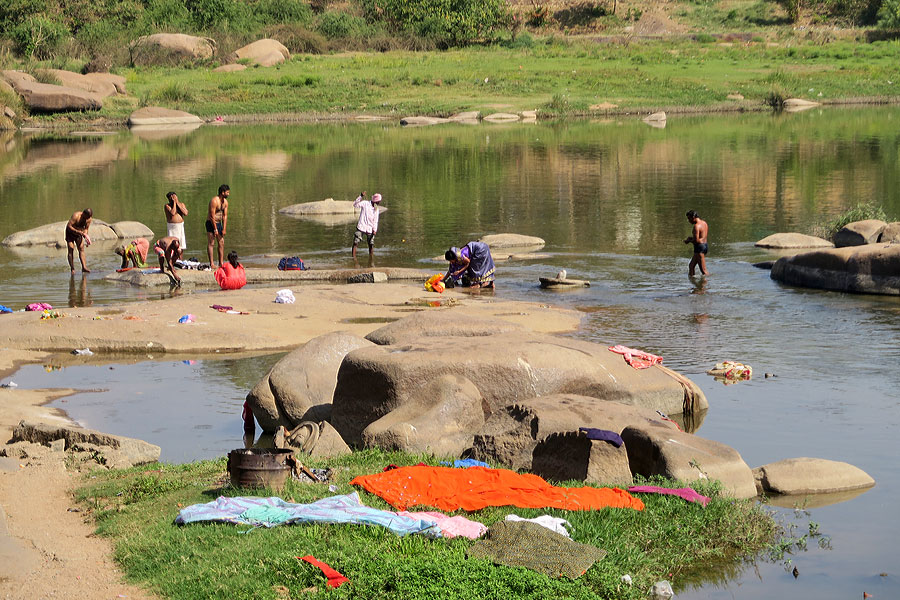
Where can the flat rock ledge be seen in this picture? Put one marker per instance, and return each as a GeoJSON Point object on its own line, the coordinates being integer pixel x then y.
{"type": "Point", "coordinates": [124, 449]}
{"type": "Point", "coordinates": [499, 241]}
{"type": "Point", "coordinates": [868, 269]}
{"type": "Point", "coordinates": [156, 115]}
{"type": "Point", "coordinates": [149, 278]}
{"type": "Point", "coordinates": [328, 206]}
{"type": "Point", "coordinates": [793, 240]}
{"type": "Point", "coordinates": [796, 476]}
{"type": "Point", "coordinates": [54, 234]}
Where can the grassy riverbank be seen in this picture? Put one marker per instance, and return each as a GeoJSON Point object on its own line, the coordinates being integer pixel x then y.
{"type": "Point", "coordinates": [557, 77]}
{"type": "Point", "coordinates": [670, 539]}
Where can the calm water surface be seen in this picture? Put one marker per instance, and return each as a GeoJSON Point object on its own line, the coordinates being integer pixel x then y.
{"type": "Point", "coordinates": [608, 197]}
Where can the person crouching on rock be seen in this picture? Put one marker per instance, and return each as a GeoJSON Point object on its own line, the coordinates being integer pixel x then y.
{"type": "Point", "coordinates": [470, 266]}
{"type": "Point", "coordinates": [231, 275]}
{"type": "Point", "coordinates": [136, 252]}
{"type": "Point", "coordinates": [168, 249]}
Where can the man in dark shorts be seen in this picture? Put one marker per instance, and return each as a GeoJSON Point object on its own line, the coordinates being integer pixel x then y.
{"type": "Point", "coordinates": [698, 238]}
{"type": "Point", "coordinates": [77, 237]}
{"type": "Point", "coordinates": [217, 224]}
{"type": "Point", "coordinates": [168, 249]}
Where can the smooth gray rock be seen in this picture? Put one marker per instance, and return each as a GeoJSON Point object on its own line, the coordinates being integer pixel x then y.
{"type": "Point", "coordinates": [890, 234]}
{"type": "Point", "coordinates": [439, 421]}
{"type": "Point", "coordinates": [686, 457]}
{"type": "Point", "coordinates": [170, 48]}
{"type": "Point", "coordinates": [330, 443]}
{"type": "Point", "coordinates": [795, 476]}
{"type": "Point", "coordinates": [859, 233]}
{"type": "Point", "coordinates": [157, 115]}
{"type": "Point", "coordinates": [498, 241]}
{"type": "Point", "coordinates": [265, 53]}
{"type": "Point", "coordinates": [504, 367]}
{"type": "Point", "coordinates": [793, 240]}
{"type": "Point", "coordinates": [571, 455]}
{"type": "Point", "coordinates": [867, 269]}
{"type": "Point", "coordinates": [300, 386]}
{"type": "Point", "coordinates": [511, 435]}
{"type": "Point", "coordinates": [372, 277]}
{"type": "Point", "coordinates": [439, 325]}
{"type": "Point", "coordinates": [54, 234]}
{"type": "Point", "coordinates": [136, 451]}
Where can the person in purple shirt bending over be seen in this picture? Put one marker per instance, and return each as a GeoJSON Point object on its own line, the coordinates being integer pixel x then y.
{"type": "Point", "coordinates": [368, 222]}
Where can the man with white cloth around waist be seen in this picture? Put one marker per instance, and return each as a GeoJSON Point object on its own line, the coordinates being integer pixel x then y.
{"type": "Point", "coordinates": [176, 211]}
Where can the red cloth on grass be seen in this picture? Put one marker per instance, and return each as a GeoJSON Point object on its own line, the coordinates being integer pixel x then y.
{"type": "Point", "coordinates": [335, 579]}
{"type": "Point", "coordinates": [474, 488]}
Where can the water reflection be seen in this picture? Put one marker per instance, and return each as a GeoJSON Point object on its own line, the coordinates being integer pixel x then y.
{"type": "Point", "coordinates": [79, 293]}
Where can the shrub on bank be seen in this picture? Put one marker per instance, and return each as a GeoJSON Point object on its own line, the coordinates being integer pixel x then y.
{"type": "Point", "coordinates": [450, 23]}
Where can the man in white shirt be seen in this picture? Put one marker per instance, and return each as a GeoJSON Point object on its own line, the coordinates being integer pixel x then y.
{"type": "Point", "coordinates": [368, 222]}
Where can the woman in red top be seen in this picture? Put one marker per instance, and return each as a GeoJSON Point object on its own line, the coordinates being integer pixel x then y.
{"type": "Point", "coordinates": [231, 275]}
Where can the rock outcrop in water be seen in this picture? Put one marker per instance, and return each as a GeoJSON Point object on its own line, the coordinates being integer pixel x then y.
{"type": "Point", "coordinates": [868, 269]}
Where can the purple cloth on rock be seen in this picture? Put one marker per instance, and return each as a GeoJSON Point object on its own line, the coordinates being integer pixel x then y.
{"type": "Point", "coordinates": [603, 435]}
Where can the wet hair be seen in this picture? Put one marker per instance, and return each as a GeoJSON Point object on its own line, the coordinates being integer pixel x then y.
{"type": "Point", "coordinates": [87, 212]}
{"type": "Point", "coordinates": [223, 188]}
{"type": "Point", "coordinates": [169, 195]}
{"type": "Point", "coordinates": [692, 214]}
{"type": "Point", "coordinates": [450, 255]}
{"type": "Point", "coordinates": [233, 259]}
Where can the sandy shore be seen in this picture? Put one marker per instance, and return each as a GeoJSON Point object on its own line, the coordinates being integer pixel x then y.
{"type": "Point", "coordinates": [48, 551]}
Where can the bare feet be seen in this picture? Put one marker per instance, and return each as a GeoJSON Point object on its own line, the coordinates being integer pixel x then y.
{"type": "Point", "coordinates": [85, 270]}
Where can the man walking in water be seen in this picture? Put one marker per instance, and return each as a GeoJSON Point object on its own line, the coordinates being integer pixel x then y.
{"type": "Point", "coordinates": [176, 211]}
{"type": "Point", "coordinates": [217, 224]}
{"type": "Point", "coordinates": [698, 239]}
{"type": "Point", "coordinates": [77, 237]}
{"type": "Point", "coordinates": [367, 225]}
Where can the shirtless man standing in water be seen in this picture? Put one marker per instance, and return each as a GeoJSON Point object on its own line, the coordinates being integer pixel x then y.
{"type": "Point", "coordinates": [698, 239]}
{"type": "Point", "coordinates": [77, 237]}
{"type": "Point", "coordinates": [217, 223]}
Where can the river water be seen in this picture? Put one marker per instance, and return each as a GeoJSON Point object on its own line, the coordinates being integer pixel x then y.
{"type": "Point", "coordinates": [608, 197]}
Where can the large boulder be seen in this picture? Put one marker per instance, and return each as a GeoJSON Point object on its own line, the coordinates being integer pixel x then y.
{"type": "Point", "coordinates": [117, 81]}
{"type": "Point", "coordinates": [156, 116]}
{"type": "Point", "coordinates": [265, 53]}
{"type": "Point", "coordinates": [890, 234]}
{"type": "Point", "coordinates": [45, 97]}
{"type": "Point", "coordinates": [128, 230]}
{"type": "Point", "coordinates": [686, 457]}
{"type": "Point", "coordinates": [170, 48]}
{"type": "Point", "coordinates": [506, 368]}
{"type": "Point", "coordinates": [795, 476]}
{"type": "Point", "coordinates": [793, 240]}
{"type": "Point", "coordinates": [328, 206]}
{"type": "Point", "coordinates": [101, 87]}
{"type": "Point", "coordinates": [440, 421]}
{"type": "Point", "coordinates": [859, 233]}
{"type": "Point", "coordinates": [54, 234]}
{"type": "Point", "coordinates": [869, 269]}
{"type": "Point", "coordinates": [498, 241]}
{"type": "Point", "coordinates": [300, 386]}
{"type": "Point", "coordinates": [571, 455]}
{"type": "Point", "coordinates": [511, 435]}
{"type": "Point", "coordinates": [136, 451]}
{"type": "Point", "coordinates": [428, 325]}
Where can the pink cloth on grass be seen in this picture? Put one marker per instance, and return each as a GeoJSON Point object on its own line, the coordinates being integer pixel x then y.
{"type": "Point", "coordinates": [636, 358]}
{"type": "Point", "coordinates": [686, 493]}
{"type": "Point", "coordinates": [451, 527]}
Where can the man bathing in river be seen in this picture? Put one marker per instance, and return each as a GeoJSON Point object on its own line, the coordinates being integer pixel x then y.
{"type": "Point", "coordinates": [168, 249]}
{"type": "Point", "coordinates": [77, 237]}
{"type": "Point", "coordinates": [217, 224]}
{"type": "Point", "coordinates": [176, 211]}
{"type": "Point", "coordinates": [698, 239]}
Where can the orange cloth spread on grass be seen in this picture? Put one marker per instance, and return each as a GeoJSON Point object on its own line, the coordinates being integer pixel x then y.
{"type": "Point", "coordinates": [474, 488]}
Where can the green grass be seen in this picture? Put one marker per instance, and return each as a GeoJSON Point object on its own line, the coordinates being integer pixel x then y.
{"type": "Point", "coordinates": [860, 212]}
{"type": "Point", "coordinates": [555, 76]}
{"type": "Point", "coordinates": [670, 539]}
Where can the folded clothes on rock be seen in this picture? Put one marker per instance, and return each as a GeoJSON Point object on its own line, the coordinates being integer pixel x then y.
{"type": "Point", "coordinates": [475, 488]}
{"type": "Point", "coordinates": [270, 512]}
{"type": "Point", "coordinates": [529, 545]}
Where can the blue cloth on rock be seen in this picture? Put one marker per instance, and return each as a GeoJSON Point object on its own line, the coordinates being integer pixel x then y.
{"type": "Point", "coordinates": [269, 512]}
{"type": "Point", "coordinates": [603, 435]}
